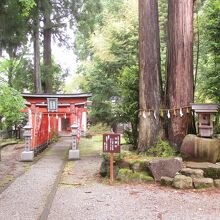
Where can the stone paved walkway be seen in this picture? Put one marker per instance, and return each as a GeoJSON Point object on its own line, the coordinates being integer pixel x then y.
{"type": "Point", "coordinates": [27, 196]}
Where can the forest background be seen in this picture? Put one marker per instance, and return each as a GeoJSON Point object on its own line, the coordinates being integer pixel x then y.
{"type": "Point", "coordinates": [106, 44]}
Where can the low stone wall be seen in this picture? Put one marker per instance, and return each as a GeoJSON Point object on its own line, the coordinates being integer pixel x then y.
{"type": "Point", "coordinates": [195, 175]}
{"type": "Point", "coordinates": [140, 170]}
{"type": "Point", "coordinates": [168, 171]}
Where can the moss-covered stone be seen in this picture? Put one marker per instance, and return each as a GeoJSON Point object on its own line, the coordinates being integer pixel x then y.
{"type": "Point", "coordinates": [124, 164]}
{"type": "Point", "coordinates": [127, 175]}
{"type": "Point", "coordinates": [134, 178]}
{"type": "Point", "coordinates": [103, 169]}
{"type": "Point", "coordinates": [182, 182]}
{"type": "Point", "coordinates": [200, 183]}
{"type": "Point", "coordinates": [194, 173]}
{"type": "Point", "coordinates": [217, 183]}
{"type": "Point", "coordinates": [166, 181]}
{"type": "Point", "coordinates": [145, 177]}
{"type": "Point", "coordinates": [124, 174]}
{"type": "Point", "coordinates": [136, 167]}
{"type": "Point", "coordinates": [212, 173]}
{"type": "Point", "coordinates": [211, 170]}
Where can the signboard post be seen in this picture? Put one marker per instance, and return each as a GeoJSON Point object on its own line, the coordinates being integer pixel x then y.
{"type": "Point", "coordinates": [111, 144]}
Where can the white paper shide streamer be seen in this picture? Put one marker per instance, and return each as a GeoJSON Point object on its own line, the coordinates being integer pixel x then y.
{"type": "Point", "coordinates": [168, 114]}
{"type": "Point", "coordinates": [155, 115]}
{"type": "Point", "coordinates": [181, 112]}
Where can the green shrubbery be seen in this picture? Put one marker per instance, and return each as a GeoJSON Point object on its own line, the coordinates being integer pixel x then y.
{"type": "Point", "coordinates": [163, 149]}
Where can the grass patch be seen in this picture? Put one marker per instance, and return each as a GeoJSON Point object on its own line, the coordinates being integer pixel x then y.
{"type": "Point", "coordinates": [99, 128]}
{"type": "Point", "coordinates": [6, 180]}
{"type": "Point", "coordinates": [89, 147]}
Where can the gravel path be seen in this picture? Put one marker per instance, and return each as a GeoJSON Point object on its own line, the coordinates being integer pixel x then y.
{"type": "Point", "coordinates": [81, 195]}
{"type": "Point", "coordinates": [27, 196]}
{"type": "Point", "coordinates": [102, 202]}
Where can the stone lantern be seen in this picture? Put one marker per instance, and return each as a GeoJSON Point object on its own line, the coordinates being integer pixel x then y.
{"type": "Point", "coordinates": [206, 117]}
{"type": "Point", "coordinates": [27, 154]}
{"type": "Point", "coordinates": [74, 151]}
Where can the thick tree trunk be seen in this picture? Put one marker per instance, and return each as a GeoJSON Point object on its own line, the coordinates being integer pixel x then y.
{"type": "Point", "coordinates": [150, 77]}
{"type": "Point", "coordinates": [37, 72]}
{"type": "Point", "coordinates": [179, 67]}
{"type": "Point", "coordinates": [47, 32]}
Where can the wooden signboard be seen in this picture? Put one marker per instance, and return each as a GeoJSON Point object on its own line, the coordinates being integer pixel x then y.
{"type": "Point", "coordinates": [111, 144]}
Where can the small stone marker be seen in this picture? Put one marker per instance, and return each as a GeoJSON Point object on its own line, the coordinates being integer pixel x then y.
{"type": "Point", "coordinates": [111, 144]}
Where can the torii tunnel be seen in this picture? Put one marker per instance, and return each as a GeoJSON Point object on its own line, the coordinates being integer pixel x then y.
{"type": "Point", "coordinates": [52, 115]}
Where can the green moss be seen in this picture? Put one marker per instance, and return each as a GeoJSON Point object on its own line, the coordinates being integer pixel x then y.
{"type": "Point", "coordinates": [135, 175]}
{"type": "Point", "coordinates": [124, 171]}
{"type": "Point", "coordinates": [6, 180]}
{"type": "Point", "coordinates": [124, 174]}
{"type": "Point", "coordinates": [145, 177]}
{"type": "Point", "coordinates": [140, 177]}
{"type": "Point", "coordinates": [203, 185]}
{"type": "Point", "coordinates": [212, 173]}
{"type": "Point", "coordinates": [26, 166]}
{"type": "Point", "coordinates": [166, 181]}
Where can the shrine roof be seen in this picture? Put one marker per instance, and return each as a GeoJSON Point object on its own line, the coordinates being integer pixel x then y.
{"type": "Point", "coordinates": [76, 95]}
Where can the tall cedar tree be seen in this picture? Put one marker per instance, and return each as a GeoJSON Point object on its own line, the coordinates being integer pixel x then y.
{"type": "Point", "coordinates": [150, 77]}
{"type": "Point", "coordinates": [179, 67]}
{"type": "Point", "coordinates": [47, 50]}
{"type": "Point", "coordinates": [36, 39]}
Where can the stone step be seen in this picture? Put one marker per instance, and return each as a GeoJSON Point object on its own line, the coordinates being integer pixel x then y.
{"type": "Point", "coordinates": [211, 170]}
{"type": "Point", "coordinates": [200, 183]}
{"type": "Point", "coordinates": [194, 173]}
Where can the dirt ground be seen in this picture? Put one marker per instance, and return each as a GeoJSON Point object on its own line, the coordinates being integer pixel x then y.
{"type": "Point", "coordinates": [10, 165]}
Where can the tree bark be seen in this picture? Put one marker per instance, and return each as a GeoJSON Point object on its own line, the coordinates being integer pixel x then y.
{"type": "Point", "coordinates": [150, 77]}
{"type": "Point", "coordinates": [197, 52]}
{"type": "Point", "coordinates": [179, 67]}
{"type": "Point", "coordinates": [37, 71]}
{"type": "Point", "coordinates": [47, 52]}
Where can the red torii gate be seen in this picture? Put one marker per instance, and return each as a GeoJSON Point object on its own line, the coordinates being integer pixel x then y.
{"type": "Point", "coordinates": [49, 115]}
